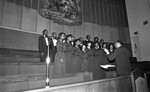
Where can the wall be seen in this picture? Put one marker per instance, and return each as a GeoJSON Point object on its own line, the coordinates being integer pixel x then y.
{"type": "Point", "coordinates": [138, 13]}
{"type": "Point", "coordinates": [103, 18]}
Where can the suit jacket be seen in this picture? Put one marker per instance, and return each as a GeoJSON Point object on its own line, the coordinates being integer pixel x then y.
{"type": "Point", "coordinates": [43, 47]}
{"type": "Point", "coordinates": [121, 56]}
{"type": "Point", "coordinates": [53, 49]}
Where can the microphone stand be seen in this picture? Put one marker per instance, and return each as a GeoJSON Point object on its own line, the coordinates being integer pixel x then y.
{"type": "Point", "coordinates": [47, 69]}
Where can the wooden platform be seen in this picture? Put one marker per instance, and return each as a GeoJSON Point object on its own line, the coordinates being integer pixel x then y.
{"type": "Point", "coordinates": [17, 83]}
{"type": "Point", "coordinates": [119, 84]}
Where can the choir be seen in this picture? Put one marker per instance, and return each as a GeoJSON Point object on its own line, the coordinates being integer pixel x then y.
{"type": "Point", "coordinates": [75, 55]}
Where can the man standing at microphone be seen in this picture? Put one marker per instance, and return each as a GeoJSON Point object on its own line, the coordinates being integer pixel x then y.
{"type": "Point", "coordinates": [43, 44]}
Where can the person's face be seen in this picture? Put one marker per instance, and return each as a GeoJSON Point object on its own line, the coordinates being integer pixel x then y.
{"type": "Point", "coordinates": [54, 34]}
{"type": "Point", "coordinates": [116, 44]}
{"type": "Point", "coordinates": [62, 36]}
{"type": "Point", "coordinates": [104, 45]}
{"type": "Point", "coordinates": [96, 45]}
{"type": "Point", "coordinates": [45, 32]}
{"type": "Point", "coordinates": [101, 41]}
{"type": "Point", "coordinates": [96, 39]}
{"type": "Point", "coordinates": [69, 38]}
{"type": "Point", "coordinates": [111, 47]}
{"type": "Point", "coordinates": [88, 37]}
{"type": "Point", "coordinates": [72, 38]}
{"type": "Point", "coordinates": [81, 39]}
{"type": "Point", "coordinates": [78, 42]}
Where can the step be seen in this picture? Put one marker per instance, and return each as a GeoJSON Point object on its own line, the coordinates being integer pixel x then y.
{"type": "Point", "coordinates": [15, 83]}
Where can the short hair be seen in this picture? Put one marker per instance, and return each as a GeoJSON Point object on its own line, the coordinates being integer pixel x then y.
{"type": "Point", "coordinates": [96, 38]}
{"type": "Point", "coordinates": [106, 44]}
{"type": "Point", "coordinates": [111, 44]}
{"type": "Point", "coordinates": [44, 30]}
{"type": "Point", "coordinates": [87, 36]}
{"type": "Point", "coordinates": [60, 34]}
{"type": "Point", "coordinates": [69, 35]}
{"type": "Point", "coordinates": [54, 33]}
{"type": "Point", "coordinates": [119, 41]}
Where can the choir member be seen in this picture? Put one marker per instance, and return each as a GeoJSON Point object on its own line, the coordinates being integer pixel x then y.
{"type": "Point", "coordinates": [84, 56]}
{"type": "Point", "coordinates": [53, 47]}
{"type": "Point", "coordinates": [76, 56]}
{"type": "Point", "coordinates": [68, 54]}
{"type": "Point", "coordinates": [99, 59]}
{"type": "Point", "coordinates": [43, 43]}
{"type": "Point", "coordinates": [60, 61]}
{"type": "Point", "coordinates": [101, 42]}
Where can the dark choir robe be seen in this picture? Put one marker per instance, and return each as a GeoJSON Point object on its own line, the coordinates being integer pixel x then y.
{"type": "Point", "coordinates": [112, 73]}
{"type": "Point", "coordinates": [76, 60]}
{"type": "Point", "coordinates": [90, 61]}
{"type": "Point", "coordinates": [112, 61]}
{"type": "Point", "coordinates": [43, 48]}
{"type": "Point", "coordinates": [68, 57]}
{"type": "Point", "coordinates": [121, 56]}
{"type": "Point", "coordinates": [99, 59]}
{"type": "Point", "coordinates": [59, 65]}
{"type": "Point", "coordinates": [84, 63]}
{"type": "Point", "coordinates": [103, 60]}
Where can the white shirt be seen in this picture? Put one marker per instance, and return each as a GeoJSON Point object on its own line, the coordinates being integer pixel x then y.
{"type": "Point", "coordinates": [54, 42]}
{"type": "Point", "coordinates": [46, 40]}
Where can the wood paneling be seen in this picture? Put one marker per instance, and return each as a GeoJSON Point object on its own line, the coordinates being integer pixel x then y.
{"type": "Point", "coordinates": [1, 10]}
{"type": "Point", "coordinates": [88, 10]}
{"type": "Point", "coordinates": [106, 33]}
{"type": "Point", "coordinates": [100, 32]}
{"type": "Point", "coordinates": [88, 29]}
{"type": "Point", "coordinates": [96, 30]}
{"type": "Point", "coordinates": [19, 2]}
{"type": "Point", "coordinates": [78, 32]}
{"type": "Point", "coordinates": [67, 29]}
{"type": "Point", "coordinates": [105, 7]}
{"type": "Point", "coordinates": [54, 27]}
{"type": "Point", "coordinates": [10, 38]}
{"type": "Point", "coordinates": [84, 10]}
{"type": "Point", "coordinates": [28, 3]}
{"type": "Point", "coordinates": [12, 15]}
{"type": "Point", "coordinates": [127, 35]}
{"type": "Point", "coordinates": [93, 15]}
{"type": "Point", "coordinates": [35, 4]}
{"type": "Point", "coordinates": [42, 24]}
{"type": "Point", "coordinates": [121, 34]}
{"type": "Point", "coordinates": [29, 19]}
{"type": "Point", "coordinates": [113, 34]}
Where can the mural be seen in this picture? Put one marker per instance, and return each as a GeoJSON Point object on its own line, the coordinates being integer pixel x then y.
{"type": "Point", "coordinates": [66, 12]}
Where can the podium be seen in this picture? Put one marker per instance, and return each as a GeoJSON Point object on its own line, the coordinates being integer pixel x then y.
{"type": "Point", "coordinates": [110, 70]}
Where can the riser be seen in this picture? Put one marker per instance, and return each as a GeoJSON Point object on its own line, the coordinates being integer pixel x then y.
{"type": "Point", "coordinates": [23, 68]}
{"type": "Point", "coordinates": [26, 82]}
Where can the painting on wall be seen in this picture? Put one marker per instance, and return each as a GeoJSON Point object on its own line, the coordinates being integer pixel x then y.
{"type": "Point", "coordinates": [65, 12]}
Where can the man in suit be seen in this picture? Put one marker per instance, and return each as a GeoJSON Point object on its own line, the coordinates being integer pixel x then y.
{"type": "Point", "coordinates": [53, 48]}
{"type": "Point", "coordinates": [43, 44]}
{"type": "Point", "coordinates": [121, 56]}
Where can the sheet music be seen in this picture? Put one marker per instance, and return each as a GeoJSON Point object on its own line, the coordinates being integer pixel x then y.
{"type": "Point", "coordinates": [107, 66]}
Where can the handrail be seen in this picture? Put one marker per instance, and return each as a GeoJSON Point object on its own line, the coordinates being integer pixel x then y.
{"type": "Point", "coordinates": [77, 84]}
